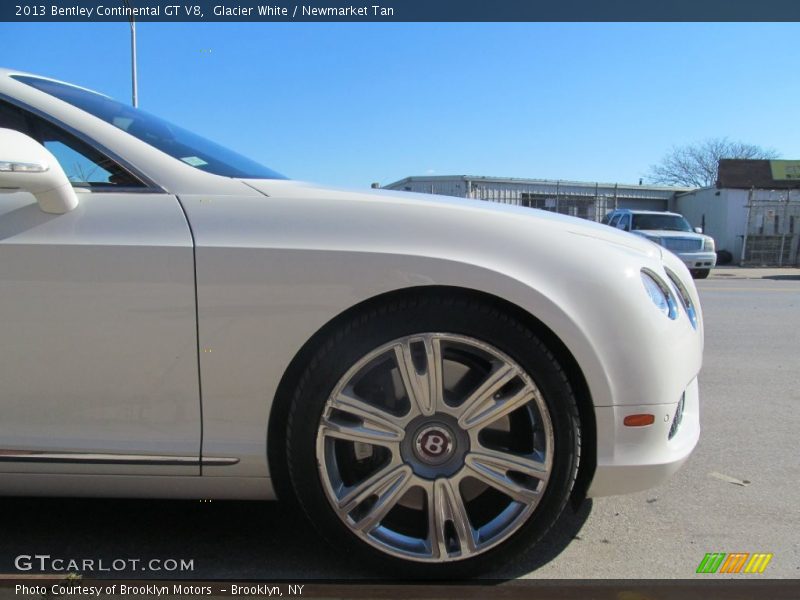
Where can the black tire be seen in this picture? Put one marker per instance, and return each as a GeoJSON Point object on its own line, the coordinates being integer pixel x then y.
{"type": "Point", "coordinates": [431, 312]}
{"type": "Point", "coordinates": [724, 257]}
{"type": "Point", "coordinates": [700, 273]}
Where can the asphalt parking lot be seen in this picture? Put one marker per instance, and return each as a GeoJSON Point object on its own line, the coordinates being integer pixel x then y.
{"type": "Point", "coordinates": [739, 492]}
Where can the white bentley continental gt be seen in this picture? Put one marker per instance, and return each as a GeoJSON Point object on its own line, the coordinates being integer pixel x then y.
{"type": "Point", "coordinates": [432, 378]}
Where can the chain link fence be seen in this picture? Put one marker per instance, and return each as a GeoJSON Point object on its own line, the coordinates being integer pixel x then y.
{"type": "Point", "coordinates": [591, 207]}
{"type": "Point", "coordinates": [772, 236]}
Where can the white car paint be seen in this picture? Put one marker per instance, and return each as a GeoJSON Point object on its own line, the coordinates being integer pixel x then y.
{"type": "Point", "coordinates": [99, 303]}
{"type": "Point", "coordinates": [109, 354]}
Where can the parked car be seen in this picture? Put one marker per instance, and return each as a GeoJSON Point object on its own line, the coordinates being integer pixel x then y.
{"type": "Point", "coordinates": [433, 378]}
{"type": "Point", "coordinates": [673, 232]}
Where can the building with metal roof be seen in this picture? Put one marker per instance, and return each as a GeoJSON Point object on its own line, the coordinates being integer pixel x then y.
{"type": "Point", "coordinates": [589, 200]}
{"type": "Point", "coordinates": [753, 212]}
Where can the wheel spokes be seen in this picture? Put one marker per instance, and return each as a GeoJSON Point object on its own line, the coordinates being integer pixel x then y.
{"type": "Point", "coordinates": [386, 487]}
{"type": "Point", "coordinates": [493, 468]}
{"type": "Point", "coordinates": [423, 383]}
{"type": "Point", "coordinates": [446, 507]}
{"type": "Point", "coordinates": [374, 426]}
{"type": "Point", "coordinates": [485, 405]}
{"type": "Point", "coordinates": [406, 496]}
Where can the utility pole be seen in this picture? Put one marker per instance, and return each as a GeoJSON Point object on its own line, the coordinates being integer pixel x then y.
{"type": "Point", "coordinates": [134, 84]}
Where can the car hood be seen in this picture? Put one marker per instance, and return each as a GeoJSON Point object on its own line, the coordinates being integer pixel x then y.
{"type": "Point", "coordinates": [663, 233]}
{"type": "Point", "coordinates": [492, 214]}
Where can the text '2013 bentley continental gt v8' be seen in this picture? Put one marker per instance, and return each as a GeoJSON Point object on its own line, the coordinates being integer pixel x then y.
{"type": "Point", "coordinates": [429, 378]}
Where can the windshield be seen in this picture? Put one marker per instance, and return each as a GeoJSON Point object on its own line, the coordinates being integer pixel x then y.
{"type": "Point", "coordinates": [663, 222]}
{"type": "Point", "coordinates": [179, 143]}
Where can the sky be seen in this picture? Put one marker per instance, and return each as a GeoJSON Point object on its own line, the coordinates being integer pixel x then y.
{"type": "Point", "coordinates": [354, 103]}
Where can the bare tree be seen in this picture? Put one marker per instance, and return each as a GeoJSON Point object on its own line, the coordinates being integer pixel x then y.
{"type": "Point", "coordinates": [696, 165]}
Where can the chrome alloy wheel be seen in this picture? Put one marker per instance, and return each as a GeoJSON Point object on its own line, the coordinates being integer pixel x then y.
{"type": "Point", "coordinates": [435, 447]}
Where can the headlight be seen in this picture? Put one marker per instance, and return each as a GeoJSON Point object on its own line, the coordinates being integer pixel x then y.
{"type": "Point", "coordinates": [686, 299]}
{"type": "Point", "coordinates": [708, 245]}
{"type": "Point", "coordinates": [660, 294]}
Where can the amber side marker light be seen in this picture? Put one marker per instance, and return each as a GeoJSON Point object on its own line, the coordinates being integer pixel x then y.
{"type": "Point", "coordinates": [639, 420]}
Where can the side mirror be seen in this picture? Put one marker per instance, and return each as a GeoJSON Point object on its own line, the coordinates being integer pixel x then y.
{"type": "Point", "coordinates": [27, 166]}
{"type": "Point", "coordinates": [698, 230]}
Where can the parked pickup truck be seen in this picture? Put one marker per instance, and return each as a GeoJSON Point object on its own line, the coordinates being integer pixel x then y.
{"type": "Point", "coordinates": [673, 232]}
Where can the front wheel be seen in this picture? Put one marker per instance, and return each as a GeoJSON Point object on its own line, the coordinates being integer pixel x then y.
{"type": "Point", "coordinates": [436, 434]}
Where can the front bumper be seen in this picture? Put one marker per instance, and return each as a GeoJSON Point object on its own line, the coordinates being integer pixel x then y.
{"type": "Point", "coordinates": [698, 260]}
{"type": "Point", "coordinates": [632, 459]}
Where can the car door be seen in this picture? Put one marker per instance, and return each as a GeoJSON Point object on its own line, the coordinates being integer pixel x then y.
{"type": "Point", "coordinates": [98, 353]}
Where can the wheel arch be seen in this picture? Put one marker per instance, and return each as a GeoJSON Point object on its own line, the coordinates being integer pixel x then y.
{"type": "Point", "coordinates": [276, 446]}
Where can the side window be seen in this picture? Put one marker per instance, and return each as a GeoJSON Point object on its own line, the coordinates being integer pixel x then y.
{"type": "Point", "coordinates": [11, 117]}
{"type": "Point", "coordinates": [625, 222]}
{"type": "Point", "coordinates": [614, 220]}
{"type": "Point", "coordinates": [83, 165]}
